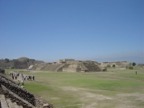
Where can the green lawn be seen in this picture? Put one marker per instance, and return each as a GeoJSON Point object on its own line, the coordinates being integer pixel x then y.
{"type": "Point", "coordinates": [112, 89]}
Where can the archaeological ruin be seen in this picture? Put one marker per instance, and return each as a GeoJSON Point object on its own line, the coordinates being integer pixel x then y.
{"type": "Point", "coordinates": [13, 96]}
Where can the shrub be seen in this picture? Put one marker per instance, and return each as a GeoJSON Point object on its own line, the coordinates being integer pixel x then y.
{"type": "Point", "coordinates": [130, 67]}
{"type": "Point", "coordinates": [113, 66]}
{"type": "Point", "coordinates": [105, 69]}
{"type": "Point", "coordinates": [133, 64]}
{"type": "Point", "coordinates": [108, 66]}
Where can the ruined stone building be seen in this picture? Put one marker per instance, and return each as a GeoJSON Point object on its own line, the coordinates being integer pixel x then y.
{"type": "Point", "coordinates": [13, 96]}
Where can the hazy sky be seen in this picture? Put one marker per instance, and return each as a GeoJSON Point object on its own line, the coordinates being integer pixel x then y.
{"type": "Point", "coordinates": [79, 29]}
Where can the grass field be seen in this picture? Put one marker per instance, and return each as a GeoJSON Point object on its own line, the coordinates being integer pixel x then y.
{"type": "Point", "coordinates": [113, 89]}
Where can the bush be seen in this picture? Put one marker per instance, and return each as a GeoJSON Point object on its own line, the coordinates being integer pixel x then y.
{"type": "Point", "coordinates": [130, 67]}
{"type": "Point", "coordinates": [108, 66]}
{"type": "Point", "coordinates": [105, 69]}
{"type": "Point", "coordinates": [133, 64]}
{"type": "Point", "coordinates": [113, 65]}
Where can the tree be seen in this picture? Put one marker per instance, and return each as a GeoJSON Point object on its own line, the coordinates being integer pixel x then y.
{"type": "Point", "coordinates": [108, 66]}
{"type": "Point", "coordinates": [6, 60]}
{"type": "Point", "coordinates": [113, 65]}
{"type": "Point", "coordinates": [133, 64]}
{"type": "Point", "coordinates": [131, 67]}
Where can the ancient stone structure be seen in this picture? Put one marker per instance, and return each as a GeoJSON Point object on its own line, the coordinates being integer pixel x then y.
{"type": "Point", "coordinates": [13, 95]}
{"type": "Point", "coordinates": [119, 64]}
{"type": "Point", "coordinates": [70, 65]}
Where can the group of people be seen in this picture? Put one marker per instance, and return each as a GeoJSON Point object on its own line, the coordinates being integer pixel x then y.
{"type": "Point", "coordinates": [15, 76]}
{"type": "Point", "coordinates": [20, 77]}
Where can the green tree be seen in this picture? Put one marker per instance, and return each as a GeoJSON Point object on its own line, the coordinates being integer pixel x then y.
{"type": "Point", "coordinates": [6, 60]}
{"type": "Point", "coordinates": [133, 64]}
{"type": "Point", "coordinates": [113, 65]}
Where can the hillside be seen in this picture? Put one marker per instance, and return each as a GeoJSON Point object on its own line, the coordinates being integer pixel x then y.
{"type": "Point", "coordinates": [20, 63]}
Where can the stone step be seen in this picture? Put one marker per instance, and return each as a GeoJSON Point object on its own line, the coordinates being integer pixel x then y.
{"type": "Point", "coordinates": [13, 104]}
{"type": "Point", "coordinates": [10, 104]}
{"type": "Point", "coordinates": [7, 103]}
{"type": "Point", "coordinates": [3, 102]}
{"type": "Point", "coordinates": [17, 96]}
{"type": "Point", "coordinates": [20, 106]}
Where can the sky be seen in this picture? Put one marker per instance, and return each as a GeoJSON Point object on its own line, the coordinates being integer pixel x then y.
{"type": "Point", "coordinates": [101, 30]}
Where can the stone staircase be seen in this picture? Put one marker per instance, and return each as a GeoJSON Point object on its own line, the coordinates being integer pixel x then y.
{"type": "Point", "coordinates": [8, 103]}
{"type": "Point", "coordinates": [13, 96]}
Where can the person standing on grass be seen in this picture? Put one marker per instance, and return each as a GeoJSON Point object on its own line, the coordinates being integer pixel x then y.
{"type": "Point", "coordinates": [136, 72]}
